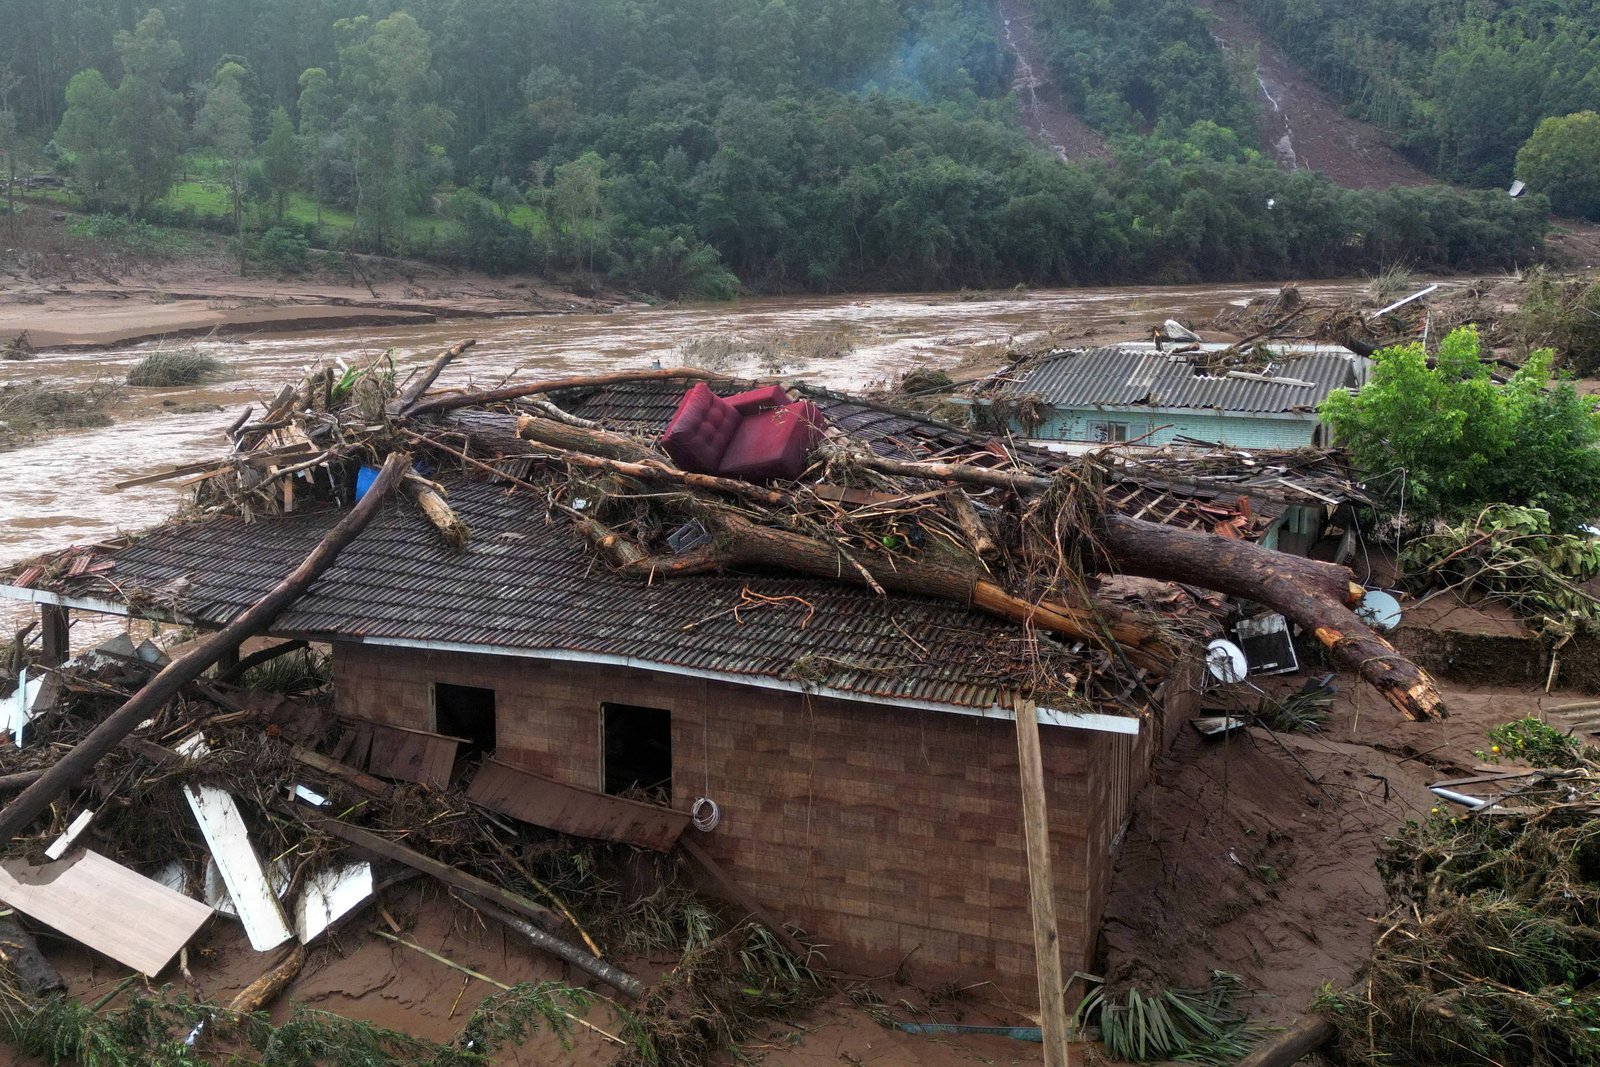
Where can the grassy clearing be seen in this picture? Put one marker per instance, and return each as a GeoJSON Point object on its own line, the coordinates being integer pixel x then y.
{"type": "Point", "coordinates": [29, 408]}
{"type": "Point", "coordinates": [211, 203]}
{"type": "Point", "coordinates": [169, 369]}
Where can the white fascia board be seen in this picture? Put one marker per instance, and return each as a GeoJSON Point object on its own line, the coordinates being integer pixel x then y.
{"type": "Point", "coordinates": [1074, 720]}
{"type": "Point", "coordinates": [82, 603]}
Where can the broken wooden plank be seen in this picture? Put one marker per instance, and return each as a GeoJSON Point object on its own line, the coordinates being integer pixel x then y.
{"type": "Point", "coordinates": [1041, 887]}
{"type": "Point", "coordinates": [554, 805]}
{"type": "Point", "coordinates": [75, 829]}
{"type": "Point", "coordinates": [360, 780]}
{"type": "Point", "coordinates": [413, 755]}
{"type": "Point", "coordinates": [136, 921]}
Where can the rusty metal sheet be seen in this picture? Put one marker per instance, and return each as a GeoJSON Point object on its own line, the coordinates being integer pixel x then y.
{"type": "Point", "coordinates": [545, 802]}
{"type": "Point", "coordinates": [412, 755]}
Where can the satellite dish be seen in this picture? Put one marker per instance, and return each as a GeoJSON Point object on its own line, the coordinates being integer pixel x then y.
{"type": "Point", "coordinates": [1225, 660]}
{"type": "Point", "coordinates": [1379, 610]}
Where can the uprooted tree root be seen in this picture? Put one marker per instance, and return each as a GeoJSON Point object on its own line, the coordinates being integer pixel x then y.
{"type": "Point", "coordinates": [1492, 953]}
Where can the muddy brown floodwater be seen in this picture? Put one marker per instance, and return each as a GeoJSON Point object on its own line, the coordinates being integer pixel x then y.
{"type": "Point", "coordinates": [58, 490]}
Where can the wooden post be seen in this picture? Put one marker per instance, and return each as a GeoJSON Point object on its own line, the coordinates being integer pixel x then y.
{"type": "Point", "coordinates": [53, 631]}
{"type": "Point", "coordinates": [1041, 886]}
{"type": "Point", "coordinates": [227, 663]}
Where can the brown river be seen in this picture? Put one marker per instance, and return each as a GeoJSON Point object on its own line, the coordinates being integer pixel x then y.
{"type": "Point", "coordinates": [59, 490]}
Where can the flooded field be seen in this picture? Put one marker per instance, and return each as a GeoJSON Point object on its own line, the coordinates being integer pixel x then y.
{"type": "Point", "coordinates": [58, 490]}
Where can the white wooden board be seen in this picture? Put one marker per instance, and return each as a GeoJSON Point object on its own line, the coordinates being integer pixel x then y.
{"type": "Point", "coordinates": [135, 920]}
{"type": "Point", "coordinates": [225, 832]}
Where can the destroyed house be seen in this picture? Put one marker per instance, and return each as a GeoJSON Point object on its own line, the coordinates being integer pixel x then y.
{"type": "Point", "coordinates": [1139, 393]}
{"type": "Point", "coordinates": [849, 760]}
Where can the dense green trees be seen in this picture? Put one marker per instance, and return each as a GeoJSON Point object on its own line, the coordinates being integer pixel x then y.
{"type": "Point", "coordinates": [1562, 158]}
{"type": "Point", "coordinates": [1448, 441]}
{"type": "Point", "coordinates": [689, 146]}
{"type": "Point", "coordinates": [1460, 83]}
{"type": "Point", "coordinates": [126, 143]}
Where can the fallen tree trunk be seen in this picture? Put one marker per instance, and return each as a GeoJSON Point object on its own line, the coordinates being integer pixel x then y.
{"type": "Point", "coordinates": [259, 995]}
{"type": "Point", "coordinates": [1313, 594]}
{"type": "Point", "coordinates": [1292, 1045]}
{"type": "Point", "coordinates": [33, 800]}
{"type": "Point", "coordinates": [402, 404]}
{"type": "Point", "coordinates": [479, 397]}
{"type": "Point", "coordinates": [257, 658]}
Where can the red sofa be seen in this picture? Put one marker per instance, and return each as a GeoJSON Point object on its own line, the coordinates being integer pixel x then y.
{"type": "Point", "coordinates": [759, 435]}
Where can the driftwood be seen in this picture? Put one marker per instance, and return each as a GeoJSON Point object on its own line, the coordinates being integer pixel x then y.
{"type": "Point", "coordinates": [408, 398]}
{"type": "Point", "coordinates": [1292, 1045]}
{"type": "Point", "coordinates": [1315, 595]}
{"type": "Point", "coordinates": [477, 398]}
{"type": "Point", "coordinates": [259, 995]}
{"type": "Point", "coordinates": [33, 800]}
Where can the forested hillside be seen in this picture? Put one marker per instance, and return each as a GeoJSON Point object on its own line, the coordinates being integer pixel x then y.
{"type": "Point", "coordinates": [1460, 83]}
{"type": "Point", "coordinates": [691, 147]}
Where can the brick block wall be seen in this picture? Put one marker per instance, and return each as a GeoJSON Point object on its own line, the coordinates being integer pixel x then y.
{"type": "Point", "coordinates": [885, 832]}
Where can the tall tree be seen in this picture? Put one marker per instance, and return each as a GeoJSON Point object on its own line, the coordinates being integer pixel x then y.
{"type": "Point", "coordinates": [280, 160]}
{"type": "Point", "coordinates": [88, 132]}
{"type": "Point", "coordinates": [10, 139]}
{"type": "Point", "coordinates": [393, 120]}
{"type": "Point", "coordinates": [318, 109]}
{"type": "Point", "coordinates": [1562, 160]}
{"type": "Point", "coordinates": [147, 123]}
{"type": "Point", "coordinates": [224, 123]}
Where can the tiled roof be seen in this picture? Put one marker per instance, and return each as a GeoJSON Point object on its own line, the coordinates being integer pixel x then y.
{"type": "Point", "coordinates": [1125, 377]}
{"type": "Point", "coordinates": [525, 581]}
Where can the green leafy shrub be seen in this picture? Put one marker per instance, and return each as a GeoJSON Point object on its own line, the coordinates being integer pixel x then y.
{"type": "Point", "coordinates": [1533, 742]}
{"type": "Point", "coordinates": [1446, 441]}
{"type": "Point", "coordinates": [1510, 553]}
{"type": "Point", "coordinates": [132, 235]}
{"type": "Point", "coordinates": [280, 250]}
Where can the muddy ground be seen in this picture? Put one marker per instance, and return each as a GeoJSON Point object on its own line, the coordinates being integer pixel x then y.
{"type": "Point", "coordinates": [69, 293]}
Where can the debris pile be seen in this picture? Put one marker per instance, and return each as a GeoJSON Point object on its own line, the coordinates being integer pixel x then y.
{"type": "Point", "coordinates": [161, 767]}
{"type": "Point", "coordinates": [1490, 954]}
{"type": "Point", "coordinates": [229, 794]}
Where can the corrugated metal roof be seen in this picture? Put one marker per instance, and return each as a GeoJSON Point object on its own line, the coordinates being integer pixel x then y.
{"type": "Point", "coordinates": [1126, 377]}
{"type": "Point", "coordinates": [527, 581]}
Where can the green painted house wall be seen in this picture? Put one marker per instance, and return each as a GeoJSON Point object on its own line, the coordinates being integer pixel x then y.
{"type": "Point", "coordinates": [1241, 430]}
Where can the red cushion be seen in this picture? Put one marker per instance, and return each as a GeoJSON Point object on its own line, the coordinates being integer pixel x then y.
{"type": "Point", "coordinates": [774, 444]}
{"type": "Point", "coordinates": [766, 398]}
{"type": "Point", "coordinates": [700, 430]}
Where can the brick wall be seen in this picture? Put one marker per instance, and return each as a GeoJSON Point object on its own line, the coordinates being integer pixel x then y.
{"type": "Point", "coordinates": [885, 832]}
